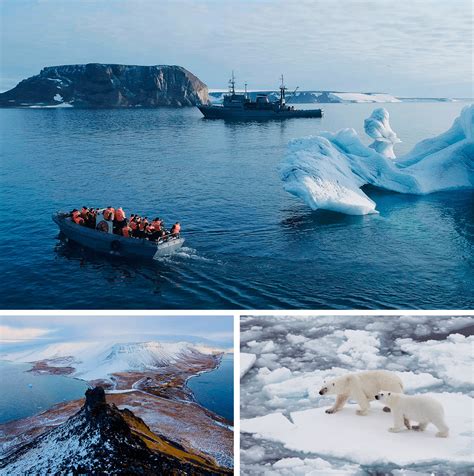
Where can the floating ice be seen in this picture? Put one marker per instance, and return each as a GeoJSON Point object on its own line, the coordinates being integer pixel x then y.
{"type": "Point", "coordinates": [328, 171]}
{"type": "Point", "coordinates": [451, 360]}
{"type": "Point", "coordinates": [366, 440]}
{"type": "Point", "coordinates": [378, 127]}
{"type": "Point", "coordinates": [246, 362]}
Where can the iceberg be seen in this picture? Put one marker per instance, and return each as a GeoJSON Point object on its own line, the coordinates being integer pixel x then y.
{"type": "Point", "coordinates": [328, 171]}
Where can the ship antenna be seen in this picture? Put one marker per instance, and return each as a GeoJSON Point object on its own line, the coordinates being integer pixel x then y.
{"type": "Point", "coordinates": [245, 90]}
{"type": "Point", "coordinates": [282, 92]}
{"type": "Point", "coordinates": [232, 84]}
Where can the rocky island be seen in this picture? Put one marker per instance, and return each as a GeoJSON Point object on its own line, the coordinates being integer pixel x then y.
{"type": "Point", "coordinates": [140, 388]}
{"type": "Point", "coordinates": [96, 85]}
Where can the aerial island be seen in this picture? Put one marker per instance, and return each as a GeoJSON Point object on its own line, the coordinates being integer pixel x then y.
{"type": "Point", "coordinates": [138, 412]}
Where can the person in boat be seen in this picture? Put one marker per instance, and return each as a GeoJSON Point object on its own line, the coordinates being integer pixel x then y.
{"type": "Point", "coordinates": [133, 225]}
{"type": "Point", "coordinates": [141, 232]}
{"type": "Point", "coordinates": [120, 220]}
{"type": "Point", "coordinates": [76, 217]}
{"type": "Point", "coordinates": [126, 231]}
{"type": "Point", "coordinates": [175, 229]}
{"type": "Point", "coordinates": [109, 213]}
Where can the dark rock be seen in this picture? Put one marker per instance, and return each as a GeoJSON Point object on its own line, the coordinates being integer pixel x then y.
{"type": "Point", "coordinates": [108, 85]}
{"type": "Point", "coordinates": [95, 398]}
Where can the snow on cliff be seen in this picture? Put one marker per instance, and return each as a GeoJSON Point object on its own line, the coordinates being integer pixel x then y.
{"type": "Point", "coordinates": [328, 171]}
{"type": "Point", "coordinates": [94, 360]}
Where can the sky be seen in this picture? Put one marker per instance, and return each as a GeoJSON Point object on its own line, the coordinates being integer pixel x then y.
{"type": "Point", "coordinates": [33, 330]}
{"type": "Point", "coordinates": [417, 48]}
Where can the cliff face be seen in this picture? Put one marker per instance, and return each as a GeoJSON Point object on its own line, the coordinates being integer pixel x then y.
{"type": "Point", "coordinates": [108, 85]}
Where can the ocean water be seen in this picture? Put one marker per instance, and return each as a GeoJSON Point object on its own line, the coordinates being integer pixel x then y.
{"type": "Point", "coordinates": [249, 244]}
{"type": "Point", "coordinates": [23, 393]}
{"type": "Point", "coordinates": [214, 390]}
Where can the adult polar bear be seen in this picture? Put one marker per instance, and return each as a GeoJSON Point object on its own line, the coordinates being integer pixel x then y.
{"type": "Point", "coordinates": [420, 408]}
{"type": "Point", "coordinates": [361, 387]}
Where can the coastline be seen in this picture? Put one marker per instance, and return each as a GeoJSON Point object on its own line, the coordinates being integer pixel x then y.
{"type": "Point", "coordinates": [165, 410]}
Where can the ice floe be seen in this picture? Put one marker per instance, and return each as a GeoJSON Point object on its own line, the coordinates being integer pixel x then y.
{"type": "Point", "coordinates": [451, 359]}
{"type": "Point", "coordinates": [366, 440]}
{"type": "Point", "coordinates": [327, 171]}
{"type": "Point", "coordinates": [246, 362]}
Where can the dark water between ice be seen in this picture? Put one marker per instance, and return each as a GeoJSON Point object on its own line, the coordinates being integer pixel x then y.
{"type": "Point", "coordinates": [215, 390]}
{"type": "Point", "coordinates": [249, 243]}
{"type": "Point", "coordinates": [23, 393]}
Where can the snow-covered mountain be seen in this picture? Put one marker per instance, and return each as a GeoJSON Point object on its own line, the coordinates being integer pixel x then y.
{"type": "Point", "coordinates": [94, 360]}
{"type": "Point", "coordinates": [309, 97]}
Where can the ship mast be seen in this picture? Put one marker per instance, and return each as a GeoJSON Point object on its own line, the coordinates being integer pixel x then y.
{"type": "Point", "coordinates": [232, 84]}
{"type": "Point", "coordinates": [282, 92]}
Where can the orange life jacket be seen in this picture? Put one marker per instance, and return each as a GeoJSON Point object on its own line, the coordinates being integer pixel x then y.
{"type": "Point", "coordinates": [78, 220]}
{"type": "Point", "coordinates": [119, 214]}
{"type": "Point", "coordinates": [84, 212]}
{"type": "Point", "coordinates": [176, 228]}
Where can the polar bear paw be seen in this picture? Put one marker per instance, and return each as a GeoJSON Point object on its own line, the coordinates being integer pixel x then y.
{"type": "Point", "coordinates": [395, 430]}
{"type": "Point", "coordinates": [330, 410]}
{"type": "Point", "coordinates": [362, 412]}
{"type": "Point", "coordinates": [442, 434]}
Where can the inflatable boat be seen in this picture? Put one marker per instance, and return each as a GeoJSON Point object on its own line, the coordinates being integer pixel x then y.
{"type": "Point", "coordinates": [112, 244]}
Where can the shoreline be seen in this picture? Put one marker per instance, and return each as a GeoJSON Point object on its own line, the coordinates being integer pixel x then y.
{"type": "Point", "coordinates": [164, 412]}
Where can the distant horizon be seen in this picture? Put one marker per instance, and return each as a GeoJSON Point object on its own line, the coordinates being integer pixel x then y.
{"type": "Point", "coordinates": [409, 48]}
{"type": "Point", "coordinates": [261, 89]}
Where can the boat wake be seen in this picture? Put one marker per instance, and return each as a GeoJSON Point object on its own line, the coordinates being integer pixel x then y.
{"type": "Point", "coordinates": [183, 253]}
{"type": "Point", "coordinates": [328, 171]}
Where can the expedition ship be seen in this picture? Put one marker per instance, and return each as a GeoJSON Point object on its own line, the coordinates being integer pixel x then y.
{"type": "Point", "coordinates": [239, 106]}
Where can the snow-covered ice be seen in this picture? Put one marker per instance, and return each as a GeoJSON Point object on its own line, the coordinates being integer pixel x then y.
{"type": "Point", "coordinates": [366, 440]}
{"type": "Point", "coordinates": [327, 171]}
{"type": "Point", "coordinates": [246, 362]}
{"type": "Point", "coordinates": [284, 417]}
{"type": "Point", "coordinates": [451, 359]}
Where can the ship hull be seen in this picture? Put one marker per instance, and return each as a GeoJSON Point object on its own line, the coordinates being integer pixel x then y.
{"type": "Point", "coordinates": [219, 112]}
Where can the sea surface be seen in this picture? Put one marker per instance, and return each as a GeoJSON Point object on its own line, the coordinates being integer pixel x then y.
{"type": "Point", "coordinates": [23, 394]}
{"type": "Point", "coordinates": [249, 244]}
{"type": "Point", "coordinates": [214, 390]}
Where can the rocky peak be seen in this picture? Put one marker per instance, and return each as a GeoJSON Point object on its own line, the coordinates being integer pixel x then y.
{"type": "Point", "coordinates": [95, 400]}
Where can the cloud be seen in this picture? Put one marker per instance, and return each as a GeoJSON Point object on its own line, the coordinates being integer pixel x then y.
{"type": "Point", "coordinates": [208, 329]}
{"type": "Point", "coordinates": [9, 334]}
{"type": "Point", "coordinates": [405, 47]}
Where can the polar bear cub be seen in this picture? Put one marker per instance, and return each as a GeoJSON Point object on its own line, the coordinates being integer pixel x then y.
{"type": "Point", "coordinates": [361, 387]}
{"type": "Point", "coordinates": [420, 408]}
